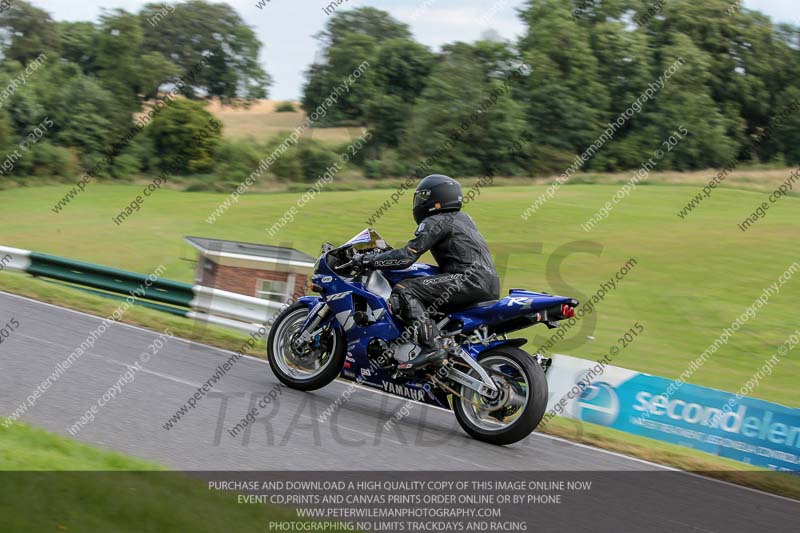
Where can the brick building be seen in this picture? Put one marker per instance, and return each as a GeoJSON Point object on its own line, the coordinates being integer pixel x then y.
{"type": "Point", "coordinates": [269, 272]}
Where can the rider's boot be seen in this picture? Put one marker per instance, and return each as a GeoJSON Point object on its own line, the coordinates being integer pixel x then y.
{"type": "Point", "coordinates": [428, 337]}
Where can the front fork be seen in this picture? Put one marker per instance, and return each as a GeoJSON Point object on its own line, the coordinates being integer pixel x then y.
{"type": "Point", "coordinates": [311, 328]}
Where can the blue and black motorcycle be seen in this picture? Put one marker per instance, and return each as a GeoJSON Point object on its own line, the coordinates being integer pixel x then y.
{"type": "Point", "coordinates": [497, 391]}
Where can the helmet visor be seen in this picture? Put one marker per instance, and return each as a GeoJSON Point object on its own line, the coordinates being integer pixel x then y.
{"type": "Point", "coordinates": [420, 197]}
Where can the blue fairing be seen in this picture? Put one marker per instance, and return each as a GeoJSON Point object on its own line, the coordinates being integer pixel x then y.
{"type": "Point", "coordinates": [417, 270]}
{"type": "Point", "coordinates": [517, 304]}
{"type": "Point", "coordinates": [310, 301]}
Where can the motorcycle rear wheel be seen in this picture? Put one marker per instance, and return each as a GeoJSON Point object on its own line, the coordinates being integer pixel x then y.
{"type": "Point", "coordinates": [520, 406]}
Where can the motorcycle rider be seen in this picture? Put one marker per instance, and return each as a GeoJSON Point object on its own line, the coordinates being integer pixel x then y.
{"type": "Point", "coordinates": [467, 273]}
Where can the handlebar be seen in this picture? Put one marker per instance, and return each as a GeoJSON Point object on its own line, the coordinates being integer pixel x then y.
{"type": "Point", "coordinates": [342, 267]}
{"type": "Point", "coordinates": [353, 263]}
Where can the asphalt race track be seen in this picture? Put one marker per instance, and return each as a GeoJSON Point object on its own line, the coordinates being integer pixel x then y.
{"type": "Point", "coordinates": [288, 435]}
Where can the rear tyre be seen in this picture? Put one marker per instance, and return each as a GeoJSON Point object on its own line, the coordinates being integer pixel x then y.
{"type": "Point", "coordinates": [313, 367]}
{"type": "Point", "coordinates": [520, 406]}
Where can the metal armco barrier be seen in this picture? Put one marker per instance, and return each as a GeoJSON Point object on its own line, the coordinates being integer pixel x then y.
{"type": "Point", "coordinates": [214, 306]}
{"type": "Point", "coordinates": [109, 279]}
{"type": "Point", "coordinates": [225, 304]}
{"type": "Point", "coordinates": [14, 259]}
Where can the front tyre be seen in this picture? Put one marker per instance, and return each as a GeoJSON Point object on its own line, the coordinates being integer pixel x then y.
{"type": "Point", "coordinates": [311, 366]}
{"type": "Point", "coordinates": [519, 407]}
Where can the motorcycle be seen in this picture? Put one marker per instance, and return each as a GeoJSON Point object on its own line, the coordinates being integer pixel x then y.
{"type": "Point", "coordinates": [497, 391]}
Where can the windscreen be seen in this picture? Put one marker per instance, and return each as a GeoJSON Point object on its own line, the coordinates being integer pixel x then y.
{"type": "Point", "coordinates": [369, 239]}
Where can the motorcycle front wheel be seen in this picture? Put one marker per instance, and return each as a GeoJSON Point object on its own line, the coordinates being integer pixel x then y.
{"type": "Point", "coordinates": [518, 408]}
{"type": "Point", "coordinates": [315, 364]}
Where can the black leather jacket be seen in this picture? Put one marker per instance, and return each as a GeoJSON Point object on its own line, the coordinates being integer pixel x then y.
{"type": "Point", "coordinates": [454, 241]}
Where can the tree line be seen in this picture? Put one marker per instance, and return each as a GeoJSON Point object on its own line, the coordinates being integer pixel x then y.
{"type": "Point", "coordinates": [100, 83]}
{"type": "Point", "coordinates": [589, 63]}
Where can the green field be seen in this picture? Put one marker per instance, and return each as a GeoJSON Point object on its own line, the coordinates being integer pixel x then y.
{"type": "Point", "coordinates": [52, 483]}
{"type": "Point", "coordinates": [693, 277]}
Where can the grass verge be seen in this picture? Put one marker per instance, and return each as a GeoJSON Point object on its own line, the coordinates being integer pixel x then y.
{"type": "Point", "coordinates": [52, 483]}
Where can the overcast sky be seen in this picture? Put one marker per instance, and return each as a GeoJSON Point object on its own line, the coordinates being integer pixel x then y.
{"type": "Point", "coordinates": [286, 27]}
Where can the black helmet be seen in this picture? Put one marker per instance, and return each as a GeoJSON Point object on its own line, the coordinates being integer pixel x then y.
{"type": "Point", "coordinates": [436, 194]}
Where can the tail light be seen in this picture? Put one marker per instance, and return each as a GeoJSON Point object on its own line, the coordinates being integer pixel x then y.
{"type": "Point", "coordinates": [567, 311]}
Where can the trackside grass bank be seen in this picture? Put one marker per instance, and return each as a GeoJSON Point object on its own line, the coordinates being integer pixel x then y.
{"type": "Point", "coordinates": [51, 483]}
